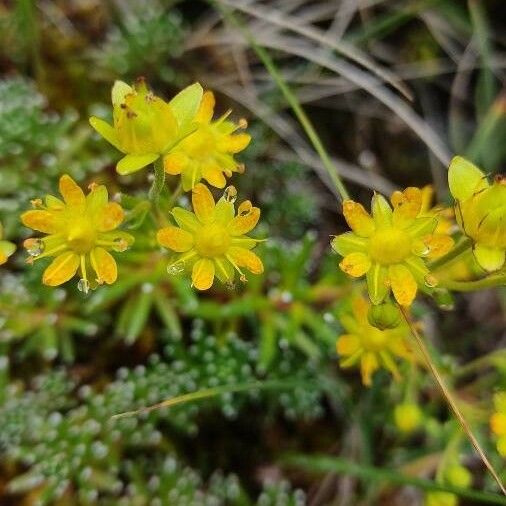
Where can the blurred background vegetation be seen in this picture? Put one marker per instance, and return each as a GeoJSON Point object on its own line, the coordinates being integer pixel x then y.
{"type": "Point", "coordinates": [394, 88]}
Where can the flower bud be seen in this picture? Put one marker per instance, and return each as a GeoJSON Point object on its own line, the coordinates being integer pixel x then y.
{"type": "Point", "coordinates": [407, 417]}
{"type": "Point", "coordinates": [384, 316]}
{"type": "Point", "coordinates": [458, 476]}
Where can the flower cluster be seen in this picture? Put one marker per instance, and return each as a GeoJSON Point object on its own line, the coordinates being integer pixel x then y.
{"type": "Point", "coordinates": [391, 247]}
{"type": "Point", "coordinates": [181, 131]}
{"type": "Point", "coordinates": [181, 138]}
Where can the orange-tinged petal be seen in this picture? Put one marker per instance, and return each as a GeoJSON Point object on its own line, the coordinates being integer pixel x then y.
{"type": "Point", "coordinates": [235, 143]}
{"type": "Point", "coordinates": [245, 258]}
{"type": "Point", "coordinates": [42, 221]}
{"type": "Point", "coordinates": [104, 265]}
{"type": "Point", "coordinates": [203, 203]}
{"type": "Point", "coordinates": [246, 219]}
{"type": "Point", "coordinates": [71, 192]}
{"type": "Point", "coordinates": [112, 216]}
{"type": "Point", "coordinates": [203, 274]}
{"type": "Point", "coordinates": [355, 264]}
{"type": "Point", "coordinates": [407, 205]}
{"type": "Point", "coordinates": [358, 218]}
{"type": "Point", "coordinates": [369, 364]}
{"type": "Point", "coordinates": [61, 269]}
{"type": "Point", "coordinates": [206, 109]}
{"type": "Point", "coordinates": [175, 238]}
{"type": "Point", "coordinates": [214, 175]}
{"type": "Point", "coordinates": [175, 163]}
{"type": "Point", "coordinates": [347, 345]}
{"type": "Point", "coordinates": [438, 244]}
{"type": "Point", "coordinates": [403, 284]}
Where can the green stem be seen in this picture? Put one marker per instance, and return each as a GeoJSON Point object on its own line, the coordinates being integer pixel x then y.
{"type": "Point", "coordinates": [462, 247]}
{"type": "Point", "coordinates": [325, 464]}
{"type": "Point", "coordinates": [159, 181]}
{"type": "Point", "coordinates": [478, 284]}
{"type": "Point", "coordinates": [292, 101]}
{"type": "Point", "coordinates": [213, 392]}
{"type": "Point", "coordinates": [451, 401]}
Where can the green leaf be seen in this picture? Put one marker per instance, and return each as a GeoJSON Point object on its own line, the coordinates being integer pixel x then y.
{"type": "Point", "coordinates": [324, 464]}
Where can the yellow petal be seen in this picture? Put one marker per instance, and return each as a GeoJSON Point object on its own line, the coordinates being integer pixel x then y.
{"type": "Point", "coordinates": [235, 143]}
{"type": "Point", "coordinates": [203, 203]}
{"type": "Point", "coordinates": [355, 264]}
{"type": "Point", "coordinates": [203, 274]}
{"type": "Point", "coordinates": [358, 218]}
{"type": "Point", "coordinates": [369, 364]}
{"type": "Point", "coordinates": [347, 344]}
{"type": "Point", "coordinates": [245, 258]}
{"type": "Point", "coordinates": [71, 192]}
{"type": "Point", "coordinates": [112, 216]}
{"type": "Point", "coordinates": [246, 219]}
{"type": "Point", "coordinates": [42, 221]}
{"type": "Point", "coordinates": [62, 268]}
{"type": "Point", "coordinates": [403, 284]}
{"type": "Point", "coordinates": [6, 250]}
{"type": "Point", "coordinates": [206, 109]}
{"type": "Point", "coordinates": [175, 163]}
{"type": "Point", "coordinates": [212, 173]}
{"type": "Point", "coordinates": [439, 244]}
{"type": "Point", "coordinates": [407, 205]}
{"type": "Point", "coordinates": [104, 265]}
{"type": "Point", "coordinates": [175, 238]}
{"type": "Point", "coordinates": [360, 309]}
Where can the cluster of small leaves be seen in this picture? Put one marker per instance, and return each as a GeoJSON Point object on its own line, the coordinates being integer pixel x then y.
{"type": "Point", "coordinates": [44, 321]}
{"type": "Point", "coordinates": [67, 439]}
{"type": "Point", "coordinates": [143, 40]}
{"type": "Point", "coordinates": [28, 132]}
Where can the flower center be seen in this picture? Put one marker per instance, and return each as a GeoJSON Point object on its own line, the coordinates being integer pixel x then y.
{"type": "Point", "coordinates": [213, 241]}
{"type": "Point", "coordinates": [389, 246]}
{"type": "Point", "coordinates": [200, 143]}
{"type": "Point", "coordinates": [374, 339]}
{"type": "Point", "coordinates": [81, 236]}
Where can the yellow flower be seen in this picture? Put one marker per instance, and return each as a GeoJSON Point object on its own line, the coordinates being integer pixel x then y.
{"type": "Point", "coordinates": [6, 248]}
{"type": "Point", "coordinates": [407, 417]}
{"type": "Point", "coordinates": [371, 347]}
{"type": "Point", "coordinates": [81, 230]}
{"type": "Point", "coordinates": [144, 126]}
{"type": "Point", "coordinates": [480, 209]}
{"type": "Point", "coordinates": [207, 153]}
{"type": "Point", "coordinates": [390, 246]}
{"type": "Point", "coordinates": [498, 422]}
{"type": "Point", "coordinates": [211, 240]}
